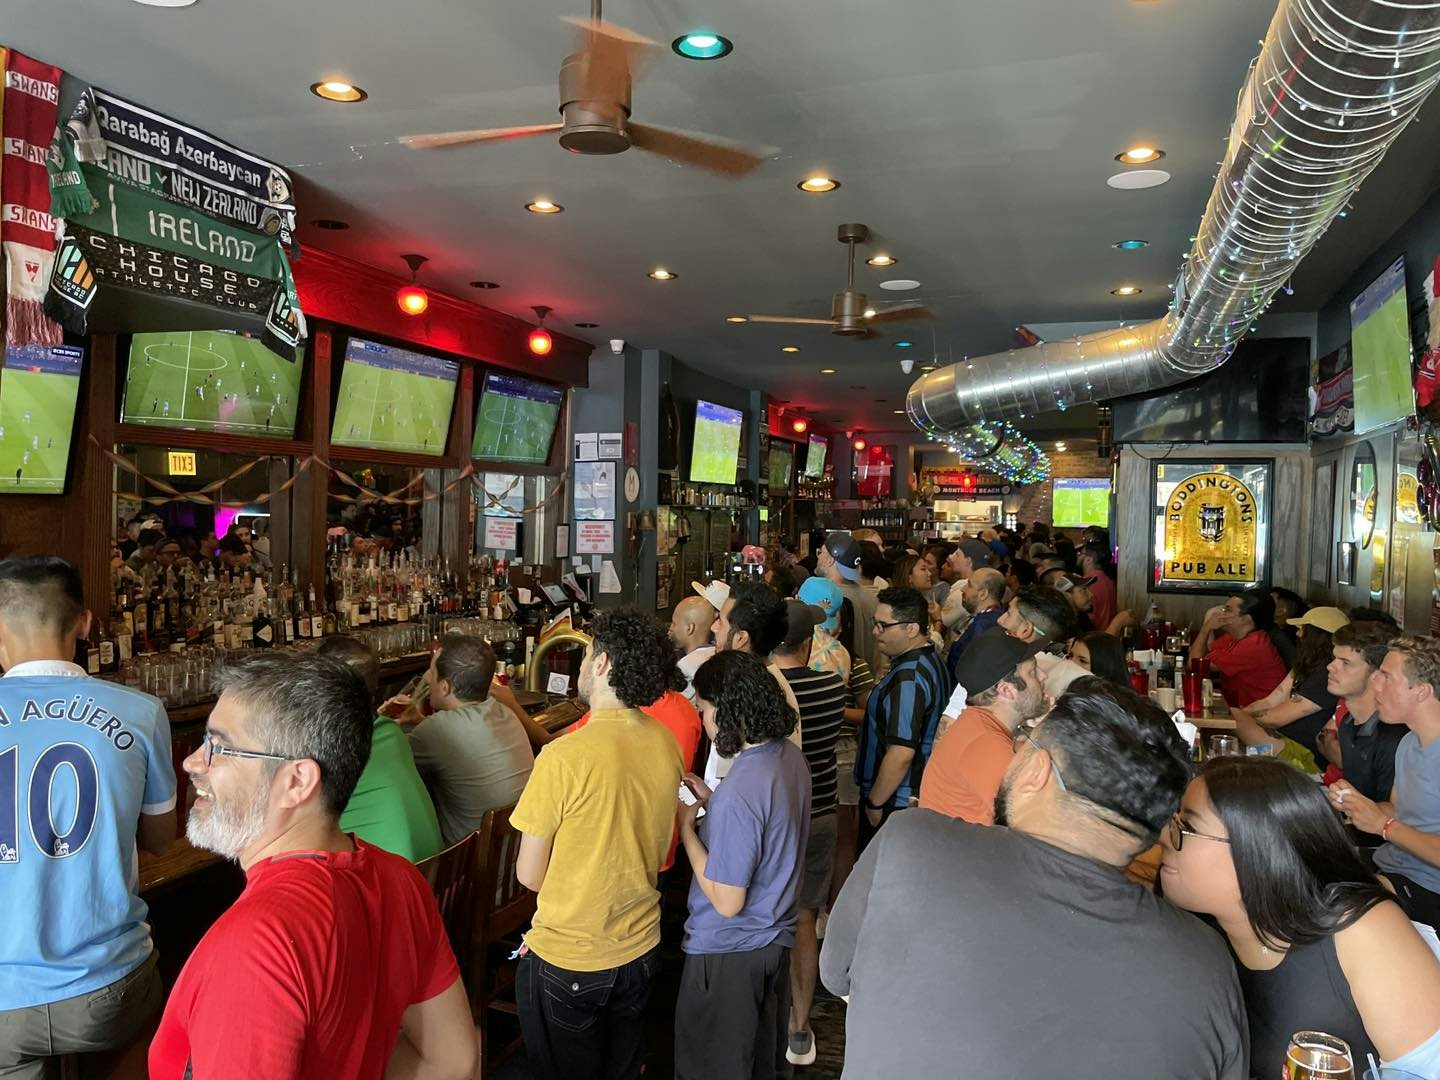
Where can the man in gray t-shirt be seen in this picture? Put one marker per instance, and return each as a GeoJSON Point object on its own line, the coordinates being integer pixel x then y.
{"type": "Point", "coordinates": [473, 754]}
{"type": "Point", "coordinates": [838, 560]}
{"type": "Point", "coordinates": [1024, 951]}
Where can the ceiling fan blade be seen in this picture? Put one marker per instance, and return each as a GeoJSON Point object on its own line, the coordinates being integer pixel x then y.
{"type": "Point", "coordinates": [460, 138]}
{"type": "Point", "coordinates": [615, 54]}
{"type": "Point", "coordinates": [903, 313]}
{"type": "Point", "coordinates": [788, 320]}
{"type": "Point", "coordinates": [703, 151]}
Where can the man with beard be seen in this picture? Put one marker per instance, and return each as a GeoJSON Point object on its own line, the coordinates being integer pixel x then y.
{"type": "Point", "coordinates": [983, 595]}
{"type": "Point", "coordinates": [596, 820]}
{"type": "Point", "coordinates": [1025, 951]}
{"type": "Point", "coordinates": [84, 766]}
{"type": "Point", "coordinates": [1004, 691]}
{"type": "Point", "coordinates": [334, 961]}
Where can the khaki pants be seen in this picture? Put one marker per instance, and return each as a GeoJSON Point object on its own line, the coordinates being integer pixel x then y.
{"type": "Point", "coordinates": [103, 1019]}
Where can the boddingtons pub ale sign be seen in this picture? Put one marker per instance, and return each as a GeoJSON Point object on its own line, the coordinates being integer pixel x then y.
{"type": "Point", "coordinates": [1211, 531]}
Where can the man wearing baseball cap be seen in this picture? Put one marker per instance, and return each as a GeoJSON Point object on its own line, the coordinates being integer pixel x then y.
{"type": "Point", "coordinates": [1077, 591]}
{"type": "Point", "coordinates": [970, 556]}
{"type": "Point", "coordinates": [1004, 691]}
{"type": "Point", "coordinates": [838, 560]}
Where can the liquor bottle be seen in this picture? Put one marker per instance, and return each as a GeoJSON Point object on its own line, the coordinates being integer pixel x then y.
{"type": "Point", "coordinates": [262, 627]}
{"type": "Point", "coordinates": [108, 662]}
{"type": "Point", "coordinates": [122, 630]}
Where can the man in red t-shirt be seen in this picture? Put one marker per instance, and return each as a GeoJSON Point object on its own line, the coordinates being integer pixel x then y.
{"type": "Point", "coordinates": [1248, 661]}
{"type": "Point", "coordinates": [333, 961]}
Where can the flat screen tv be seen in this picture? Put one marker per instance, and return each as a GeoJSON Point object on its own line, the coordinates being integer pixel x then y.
{"type": "Point", "coordinates": [39, 387]}
{"type": "Point", "coordinates": [1079, 501]}
{"type": "Point", "coordinates": [1261, 394]}
{"type": "Point", "coordinates": [394, 399]}
{"type": "Point", "coordinates": [516, 420]}
{"type": "Point", "coordinates": [782, 458]}
{"type": "Point", "coordinates": [1380, 351]}
{"type": "Point", "coordinates": [815, 457]}
{"type": "Point", "coordinates": [715, 451]}
{"type": "Point", "coordinates": [211, 380]}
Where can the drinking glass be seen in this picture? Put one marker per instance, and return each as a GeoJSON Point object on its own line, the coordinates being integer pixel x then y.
{"type": "Point", "coordinates": [1314, 1055]}
{"type": "Point", "coordinates": [1225, 746]}
{"type": "Point", "coordinates": [1193, 685]}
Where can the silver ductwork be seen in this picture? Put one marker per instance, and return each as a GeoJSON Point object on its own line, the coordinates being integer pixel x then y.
{"type": "Point", "coordinates": [1335, 83]}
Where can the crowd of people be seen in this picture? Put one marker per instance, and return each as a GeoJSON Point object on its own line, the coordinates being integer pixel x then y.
{"type": "Point", "coordinates": [1043, 879]}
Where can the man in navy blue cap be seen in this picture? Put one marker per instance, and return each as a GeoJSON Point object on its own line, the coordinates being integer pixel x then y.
{"type": "Point", "coordinates": [839, 561]}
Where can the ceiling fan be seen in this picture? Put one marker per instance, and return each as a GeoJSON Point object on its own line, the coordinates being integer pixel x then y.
{"type": "Point", "coordinates": [595, 109]}
{"type": "Point", "coordinates": [849, 314]}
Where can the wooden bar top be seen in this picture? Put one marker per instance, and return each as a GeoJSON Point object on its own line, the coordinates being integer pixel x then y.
{"type": "Point", "coordinates": [158, 872]}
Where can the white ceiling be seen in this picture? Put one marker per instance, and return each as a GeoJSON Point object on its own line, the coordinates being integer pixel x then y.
{"type": "Point", "coordinates": [973, 138]}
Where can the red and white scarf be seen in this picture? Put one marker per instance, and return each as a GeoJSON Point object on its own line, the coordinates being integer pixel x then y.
{"type": "Point", "coordinates": [27, 231]}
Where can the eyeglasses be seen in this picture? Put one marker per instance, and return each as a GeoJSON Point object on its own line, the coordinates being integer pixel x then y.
{"type": "Point", "coordinates": [211, 748]}
{"type": "Point", "coordinates": [1178, 832]}
{"type": "Point", "coordinates": [1022, 734]}
{"type": "Point", "coordinates": [881, 627]}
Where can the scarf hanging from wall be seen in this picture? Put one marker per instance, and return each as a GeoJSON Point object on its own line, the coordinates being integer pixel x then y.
{"type": "Point", "coordinates": [27, 231]}
{"type": "Point", "coordinates": [141, 149]}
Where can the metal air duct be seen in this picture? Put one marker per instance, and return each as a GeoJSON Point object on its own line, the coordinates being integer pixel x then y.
{"type": "Point", "coordinates": [1336, 81]}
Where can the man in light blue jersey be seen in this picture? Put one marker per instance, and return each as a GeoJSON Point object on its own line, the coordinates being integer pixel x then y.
{"type": "Point", "coordinates": [85, 769]}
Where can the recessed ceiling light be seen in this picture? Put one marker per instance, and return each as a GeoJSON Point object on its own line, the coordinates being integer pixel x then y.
{"type": "Point", "coordinates": [790, 348]}
{"type": "Point", "coordinates": [1139, 155]}
{"type": "Point", "coordinates": [899, 412]}
{"type": "Point", "coordinates": [827, 371]}
{"type": "Point", "coordinates": [586, 325]}
{"type": "Point", "coordinates": [736, 318]}
{"type": "Point", "coordinates": [869, 313]}
{"type": "Point", "coordinates": [1126, 290]}
{"type": "Point", "coordinates": [1130, 245]}
{"type": "Point", "coordinates": [903, 344]}
{"type": "Point", "coordinates": [661, 274]}
{"type": "Point", "coordinates": [544, 206]}
{"type": "Point", "coordinates": [899, 284]}
{"type": "Point", "coordinates": [818, 185]}
{"type": "Point", "coordinates": [702, 46]}
{"type": "Point", "coordinates": [331, 224]}
{"type": "Point", "coordinates": [927, 367]}
{"type": "Point", "coordinates": [334, 90]}
{"type": "Point", "coordinates": [1139, 179]}
{"type": "Point", "coordinates": [881, 260]}
{"type": "Point", "coordinates": [484, 284]}
{"type": "Point", "coordinates": [166, 3]}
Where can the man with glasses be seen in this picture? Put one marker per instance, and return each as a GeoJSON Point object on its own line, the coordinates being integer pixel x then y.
{"type": "Point", "coordinates": [1025, 951]}
{"type": "Point", "coordinates": [84, 768]}
{"type": "Point", "coordinates": [1006, 692]}
{"type": "Point", "coordinates": [334, 961]}
{"type": "Point", "coordinates": [903, 711]}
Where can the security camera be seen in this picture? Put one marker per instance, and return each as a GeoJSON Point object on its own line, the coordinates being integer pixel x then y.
{"type": "Point", "coordinates": [617, 345]}
{"type": "Point", "coordinates": [907, 366]}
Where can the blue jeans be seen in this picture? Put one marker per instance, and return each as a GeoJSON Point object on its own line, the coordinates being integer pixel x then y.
{"type": "Point", "coordinates": [587, 1024]}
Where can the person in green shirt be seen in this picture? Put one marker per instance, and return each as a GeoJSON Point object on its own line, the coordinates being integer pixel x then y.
{"type": "Point", "coordinates": [390, 807]}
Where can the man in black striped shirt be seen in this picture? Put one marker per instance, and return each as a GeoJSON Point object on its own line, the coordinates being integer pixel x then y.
{"type": "Point", "coordinates": [820, 696]}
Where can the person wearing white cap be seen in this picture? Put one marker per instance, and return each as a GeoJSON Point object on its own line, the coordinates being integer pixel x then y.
{"type": "Point", "coordinates": [690, 629]}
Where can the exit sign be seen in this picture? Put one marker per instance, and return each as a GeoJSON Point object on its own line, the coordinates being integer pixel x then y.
{"type": "Point", "coordinates": [182, 463]}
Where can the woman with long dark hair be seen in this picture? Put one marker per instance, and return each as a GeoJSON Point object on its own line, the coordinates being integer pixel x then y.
{"type": "Point", "coordinates": [732, 1016]}
{"type": "Point", "coordinates": [1319, 944]}
{"type": "Point", "coordinates": [1102, 655]}
{"type": "Point", "coordinates": [1290, 726]}
{"type": "Point", "coordinates": [1239, 636]}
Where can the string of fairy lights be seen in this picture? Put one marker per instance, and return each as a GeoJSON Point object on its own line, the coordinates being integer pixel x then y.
{"type": "Point", "coordinates": [1001, 447]}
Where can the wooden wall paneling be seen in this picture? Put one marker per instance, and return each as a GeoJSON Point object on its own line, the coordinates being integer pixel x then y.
{"type": "Point", "coordinates": [311, 491]}
{"type": "Point", "coordinates": [282, 542]}
{"type": "Point", "coordinates": [458, 544]}
{"type": "Point", "coordinates": [88, 526]}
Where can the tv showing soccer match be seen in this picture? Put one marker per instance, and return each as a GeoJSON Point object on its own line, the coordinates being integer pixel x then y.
{"type": "Point", "coordinates": [815, 457]}
{"type": "Point", "coordinates": [516, 420]}
{"type": "Point", "coordinates": [1081, 501]}
{"type": "Point", "coordinates": [394, 399]}
{"type": "Point", "coordinates": [715, 453]}
{"type": "Point", "coordinates": [211, 380]}
{"type": "Point", "coordinates": [39, 387]}
{"type": "Point", "coordinates": [782, 456]}
{"type": "Point", "coordinates": [1380, 351]}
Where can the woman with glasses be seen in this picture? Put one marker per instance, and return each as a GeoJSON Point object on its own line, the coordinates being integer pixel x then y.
{"type": "Point", "coordinates": [1319, 944]}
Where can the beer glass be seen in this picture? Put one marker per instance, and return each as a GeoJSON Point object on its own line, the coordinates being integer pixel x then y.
{"type": "Point", "coordinates": [1224, 746]}
{"type": "Point", "coordinates": [1314, 1055]}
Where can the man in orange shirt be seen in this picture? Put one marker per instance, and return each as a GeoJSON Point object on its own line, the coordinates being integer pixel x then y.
{"type": "Point", "coordinates": [1005, 690]}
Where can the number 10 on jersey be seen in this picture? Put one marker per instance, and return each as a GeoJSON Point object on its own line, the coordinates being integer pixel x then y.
{"type": "Point", "coordinates": [60, 769]}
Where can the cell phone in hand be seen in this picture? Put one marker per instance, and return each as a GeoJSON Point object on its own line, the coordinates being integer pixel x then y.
{"type": "Point", "coordinates": [686, 795]}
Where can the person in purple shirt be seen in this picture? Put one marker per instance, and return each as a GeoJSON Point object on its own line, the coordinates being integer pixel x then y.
{"type": "Point", "coordinates": [732, 1015]}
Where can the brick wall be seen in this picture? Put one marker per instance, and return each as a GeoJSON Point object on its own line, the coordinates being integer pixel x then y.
{"type": "Point", "coordinates": [1077, 461]}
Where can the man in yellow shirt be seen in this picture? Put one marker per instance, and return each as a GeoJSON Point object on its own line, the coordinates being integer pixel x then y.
{"type": "Point", "coordinates": [596, 819]}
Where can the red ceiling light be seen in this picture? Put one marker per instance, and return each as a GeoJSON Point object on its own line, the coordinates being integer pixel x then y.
{"type": "Point", "coordinates": [412, 299]}
{"type": "Point", "coordinates": [540, 341]}
{"type": "Point", "coordinates": [799, 425]}
{"type": "Point", "coordinates": [859, 443]}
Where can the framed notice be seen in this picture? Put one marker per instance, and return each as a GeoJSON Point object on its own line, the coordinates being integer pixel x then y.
{"type": "Point", "coordinates": [594, 537]}
{"type": "Point", "coordinates": [1211, 522]}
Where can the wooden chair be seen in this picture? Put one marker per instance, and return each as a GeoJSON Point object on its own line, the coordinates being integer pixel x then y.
{"type": "Point", "coordinates": [504, 908]}
{"type": "Point", "coordinates": [452, 878]}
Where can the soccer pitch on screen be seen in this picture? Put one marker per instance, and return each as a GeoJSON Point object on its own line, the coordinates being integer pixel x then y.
{"type": "Point", "coordinates": [385, 404]}
{"type": "Point", "coordinates": [516, 420]}
{"type": "Point", "coordinates": [208, 380]}
{"type": "Point", "coordinates": [38, 390]}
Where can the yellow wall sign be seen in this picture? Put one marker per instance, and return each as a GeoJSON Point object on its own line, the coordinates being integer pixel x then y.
{"type": "Point", "coordinates": [1211, 530]}
{"type": "Point", "coordinates": [182, 463]}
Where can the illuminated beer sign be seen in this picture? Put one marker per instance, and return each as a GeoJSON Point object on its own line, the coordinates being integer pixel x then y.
{"type": "Point", "coordinates": [1211, 531]}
